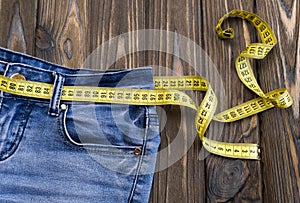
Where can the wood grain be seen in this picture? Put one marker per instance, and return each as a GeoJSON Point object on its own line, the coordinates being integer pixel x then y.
{"type": "Point", "coordinates": [281, 69]}
{"type": "Point", "coordinates": [235, 181]}
{"type": "Point", "coordinates": [67, 32]}
{"type": "Point", "coordinates": [18, 25]}
{"type": "Point", "coordinates": [60, 32]}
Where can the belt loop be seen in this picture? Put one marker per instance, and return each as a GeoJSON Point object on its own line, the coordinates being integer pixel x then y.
{"type": "Point", "coordinates": [56, 94]}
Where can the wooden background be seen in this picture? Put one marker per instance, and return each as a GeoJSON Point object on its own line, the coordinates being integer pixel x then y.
{"type": "Point", "coordinates": [67, 31]}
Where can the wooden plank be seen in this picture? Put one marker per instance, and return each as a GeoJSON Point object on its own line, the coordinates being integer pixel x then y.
{"type": "Point", "coordinates": [18, 25]}
{"type": "Point", "coordinates": [111, 19]}
{"type": "Point", "coordinates": [279, 127]}
{"type": "Point", "coordinates": [184, 180]}
{"type": "Point", "coordinates": [229, 179]}
{"type": "Point", "coordinates": [61, 32]}
{"type": "Point", "coordinates": [66, 32]}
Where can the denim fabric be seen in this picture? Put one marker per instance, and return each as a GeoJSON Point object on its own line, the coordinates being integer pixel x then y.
{"type": "Point", "coordinates": [56, 151]}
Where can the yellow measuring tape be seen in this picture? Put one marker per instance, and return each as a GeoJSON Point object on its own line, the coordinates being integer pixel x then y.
{"type": "Point", "coordinates": [167, 91]}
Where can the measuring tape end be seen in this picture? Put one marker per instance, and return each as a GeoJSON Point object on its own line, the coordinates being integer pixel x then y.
{"type": "Point", "coordinates": [259, 152]}
{"type": "Point", "coordinates": [225, 34]}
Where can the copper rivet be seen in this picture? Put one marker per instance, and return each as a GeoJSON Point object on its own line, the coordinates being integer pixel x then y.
{"type": "Point", "coordinates": [17, 76]}
{"type": "Point", "coordinates": [63, 107]}
{"type": "Point", "coordinates": [137, 151]}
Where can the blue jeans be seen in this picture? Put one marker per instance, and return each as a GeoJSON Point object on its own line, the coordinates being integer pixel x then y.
{"type": "Point", "coordinates": [56, 151]}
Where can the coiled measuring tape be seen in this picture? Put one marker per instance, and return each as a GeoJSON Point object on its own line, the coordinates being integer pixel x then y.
{"type": "Point", "coordinates": [168, 91]}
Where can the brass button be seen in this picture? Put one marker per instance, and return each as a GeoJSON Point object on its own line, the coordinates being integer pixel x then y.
{"type": "Point", "coordinates": [63, 107]}
{"type": "Point", "coordinates": [17, 76]}
{"type": "Point", "coordinates": [137, 151]}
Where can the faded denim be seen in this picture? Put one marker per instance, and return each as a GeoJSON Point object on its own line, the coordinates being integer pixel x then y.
{"type": "Point", "coordinates": [55, 151]}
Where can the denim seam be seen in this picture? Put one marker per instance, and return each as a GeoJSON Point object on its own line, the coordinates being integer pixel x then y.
{"type": "Point", "coordinates": [19, 135]}
{"type": "Point", "coordinates": [87, 148]}
{"type": "Point", "coordinates": [26, 99]}
{"type": "Point", "coordinates": [1, 92]}
{"type": "Point", "coordinates": [29, 66]}
{"type": "Point", "coordinates": [141, 157]}
{"type": "Point", "coordinates": [76, 75]}
{"type": "Point", "coordinates": [1, 102]}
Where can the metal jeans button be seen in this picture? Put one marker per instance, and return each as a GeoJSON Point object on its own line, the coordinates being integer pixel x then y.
{"type": "Point", "coordinates": [137, 151]}
{"type": "Point", "coordinates": [17, 76]}
{"type": "Point", "coordinates": [63, 107]}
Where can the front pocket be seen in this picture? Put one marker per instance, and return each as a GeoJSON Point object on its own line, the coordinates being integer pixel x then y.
{"type": "Point", "coordinates": [13, 118]}
{"type": "Point", "coordinates": [104, 128]}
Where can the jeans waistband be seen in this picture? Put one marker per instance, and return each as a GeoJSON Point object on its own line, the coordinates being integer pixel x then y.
{"type": "Point", "coordinates": [35, 69]}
